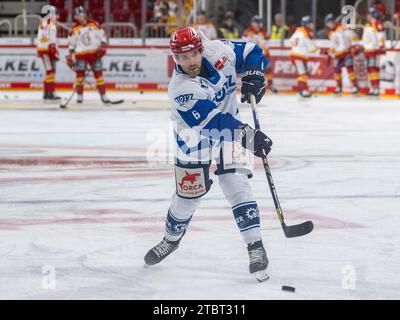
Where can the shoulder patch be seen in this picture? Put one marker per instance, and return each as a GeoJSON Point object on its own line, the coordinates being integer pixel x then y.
{"type": "Point", "coordinates": [221, 62]}
{"type": "Point", "coordinates": [182, 99]}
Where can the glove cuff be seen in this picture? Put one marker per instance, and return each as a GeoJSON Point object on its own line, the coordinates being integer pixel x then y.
{"type": "Point", "coordinates": [253, 72]}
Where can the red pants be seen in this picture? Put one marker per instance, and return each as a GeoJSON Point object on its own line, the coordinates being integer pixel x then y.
{"type": "Point", "coordinates": [50, 69]}
{"type": "Point", "coordinates": [373, 69]}
{"type": "Point", "coordinates": [339, 63]}
{"type": "Point", "coordinates": [82, 64]}
{"type": "Point", "coordinates": [301, 68]}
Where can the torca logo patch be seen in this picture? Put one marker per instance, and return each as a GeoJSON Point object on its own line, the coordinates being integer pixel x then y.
{"type": "Point", "coordinates": [182, 99]}
{"type": "Point", "coordinates": [191, 178]}
{"type": "Point", "coordinates": [190, 182]}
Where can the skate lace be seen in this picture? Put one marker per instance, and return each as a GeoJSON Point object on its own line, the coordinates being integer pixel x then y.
{"type": "Point", "coordinates": [256, 255]}
{"type": "Point", "coordinates": [162, 248]}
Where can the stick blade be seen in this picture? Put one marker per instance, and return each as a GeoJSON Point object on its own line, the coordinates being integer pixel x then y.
{"type": "Point", "coordinates": [298, 230]}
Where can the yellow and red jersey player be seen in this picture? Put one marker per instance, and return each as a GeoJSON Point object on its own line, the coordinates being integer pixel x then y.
{"type": "Point", "coordinates": [47, 50]}
{"type": "Point", "coordinates": [344, 44]}
{"type": "Point", "coordinates": [373, 41]}
{"type": "Point", "coordinates": [255, 33]}
{"type": "Point", "coordinates": [86, 47]}
{"type": "Point", "coordinates": [303, 45]}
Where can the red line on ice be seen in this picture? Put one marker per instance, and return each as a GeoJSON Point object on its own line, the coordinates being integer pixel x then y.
{"type": "Point", "coordinates": [66, 147]}
{"type": "Point", "coordinates": [68, 160]}
{"type": "Point", "coordinates": [320, 222]}
{"type": "Point", "coordinates": [85, 178]}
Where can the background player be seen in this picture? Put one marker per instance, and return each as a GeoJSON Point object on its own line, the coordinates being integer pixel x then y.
{"type": "Point", "coordinates": [257, 34]}
{"type": "Point", "coordinates": [87, 41]}
{"type": "Point", "coordinates": [47, 50]}
{"type": "Point", "coordinates": [202, 92]}
{"type": "Point", "coordinates": [303, 45]}
{"type": "Point", "coordinates": [373, 41]}
{"type": "Point", "coordinates": [344, 44]}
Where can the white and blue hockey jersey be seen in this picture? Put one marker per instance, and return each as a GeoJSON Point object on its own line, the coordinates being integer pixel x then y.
{"type": "Point", "coordinates": [202, 105]}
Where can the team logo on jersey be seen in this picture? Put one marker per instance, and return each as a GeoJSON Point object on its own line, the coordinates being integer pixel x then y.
{"type": "Point", "coordinates": [182, 99]}
{"type": "Point", "coordinates": [190, 182]}
{"type": "Point", "coordinates": [191, 178]}
{"type": "Point", "coordinates": [180, 227]}
{"type": "Point", "coordinates": [221, 62]}
{"type": "Point", "coordinates": [228, 87]}
{"type": "Point", "coordinates": [252, 213]}
{"type": "Point", "coordinates": [85, 38]}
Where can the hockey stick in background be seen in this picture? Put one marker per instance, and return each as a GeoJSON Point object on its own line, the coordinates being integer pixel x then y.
{"type": "Point", "coordinates": [289, 231]}
{"type": "Point", "coordinates": [63, 105]}
{"type": "Point", "coordinates": [328, 77]}
{"type": "Point", "coordinates": [91, 85]}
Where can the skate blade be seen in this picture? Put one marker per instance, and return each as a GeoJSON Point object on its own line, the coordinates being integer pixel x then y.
{"type": "Point", "coordinates": [262, 276]}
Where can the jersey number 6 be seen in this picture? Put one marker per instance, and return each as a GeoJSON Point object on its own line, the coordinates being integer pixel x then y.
{"type": "Point", "coordinates": [196, 115]}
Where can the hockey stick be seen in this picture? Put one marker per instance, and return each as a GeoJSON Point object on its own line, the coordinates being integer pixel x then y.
{"type": "Point", "coordinates": [109, 101]}
{"type": "Point", "coordinates": [289, 231]}
{"type": "Point", "coordinates": [328, 77]}
{"type": "Point", "coordinates": [92, 86]}
{"type": "Point", "coordinates": [63, 105]}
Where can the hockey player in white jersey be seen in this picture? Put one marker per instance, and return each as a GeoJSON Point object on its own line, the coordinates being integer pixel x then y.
{"type": "Point", "coordinates": [202, 92]}
{"type": "Point", "coordinates": [47, 50]}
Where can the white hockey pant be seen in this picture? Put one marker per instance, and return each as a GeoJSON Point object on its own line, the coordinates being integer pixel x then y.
{"type": "Point", "coordinates": [237, 191]}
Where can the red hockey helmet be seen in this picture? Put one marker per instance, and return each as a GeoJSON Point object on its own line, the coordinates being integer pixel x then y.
{"type": "Point", "coordinates": [184, 40]}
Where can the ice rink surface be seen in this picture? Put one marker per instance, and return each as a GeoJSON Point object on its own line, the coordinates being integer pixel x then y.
{"type": "Point", "coordinates": [80, 204]}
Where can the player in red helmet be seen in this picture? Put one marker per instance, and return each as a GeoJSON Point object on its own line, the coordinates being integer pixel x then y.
{"type": "Point", "coordinates": [187, 47]}
{"type": "Point", "coordinates": [207, 125]}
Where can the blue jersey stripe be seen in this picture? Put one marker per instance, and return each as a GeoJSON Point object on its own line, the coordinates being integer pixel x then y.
{"type": "Point", "coordinates": [255, 57]}
{"type": "Point", "coordinates": [219, 124]}
{"type": "Point", "coordinates": [196, 115]}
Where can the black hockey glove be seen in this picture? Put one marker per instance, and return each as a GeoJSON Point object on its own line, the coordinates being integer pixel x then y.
{"type": "Point", "coordinates": [256, 141]}
{"type": "Point", "coordinates": [253, 82]}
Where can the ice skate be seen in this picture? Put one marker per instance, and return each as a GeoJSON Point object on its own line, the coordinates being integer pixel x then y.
{"type": "Point", "coordinates": [373, 92]}
{"type": "Point", "coordinates": [161, 251]}
{"type": "Point", "coordinates": [272, 89]}
{"type": "Point", "coordinates": [105, 99]}
{"type": "Point", "coordinates": [79, 98]}
{"type": "Point", "coordinates": [355, 91]}
{"type": "Point", "coordinates": [338, 91]}
{"type": "Point", "coordinates": [53, 96]}
{"type": "Point", "coordinates": [258, 261]}
{"type": "Point", "coordinates": [305, 93]}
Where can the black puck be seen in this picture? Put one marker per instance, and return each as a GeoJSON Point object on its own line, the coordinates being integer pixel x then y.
{"type": "Point", "coordinates": [288, 288]}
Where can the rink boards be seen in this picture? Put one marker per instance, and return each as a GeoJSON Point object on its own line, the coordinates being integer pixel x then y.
{"type": "Point", "coordinates": [133, 67]}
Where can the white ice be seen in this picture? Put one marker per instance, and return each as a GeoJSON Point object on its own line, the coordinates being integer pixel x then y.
{"type": "Point", "coordinates": [80, 205]}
